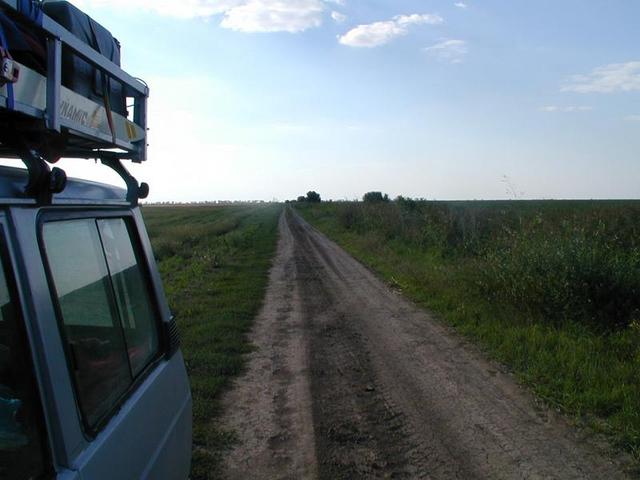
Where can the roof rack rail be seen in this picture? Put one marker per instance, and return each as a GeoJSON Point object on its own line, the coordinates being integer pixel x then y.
{"type": "Point", "coordinates": [42, 120]}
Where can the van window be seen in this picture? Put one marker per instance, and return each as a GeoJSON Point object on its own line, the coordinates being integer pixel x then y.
{"type": "Point", "coordinates": [21, 428]}
{"type": "Point", "coordinates": [134, 304]}
{"type": "Point", "coordinates": [107, 317]}
{"type": "Point", "coordinates": [89, 314]}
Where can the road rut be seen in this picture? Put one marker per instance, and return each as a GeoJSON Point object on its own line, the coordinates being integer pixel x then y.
{"type": "Point", "coordinates": [350, 380]}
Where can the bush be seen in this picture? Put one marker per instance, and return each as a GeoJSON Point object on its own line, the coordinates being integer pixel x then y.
{"type": "Point", "coordinates": [313, 197]}
{"type": "Point", "coordinates": [406, 203]}
{"type": "Point", "coordinates": [559, 261]}
{"type": "Point", "coordinates": [375, 197]}
{"type": "Point", "coordinates": [570, 276]}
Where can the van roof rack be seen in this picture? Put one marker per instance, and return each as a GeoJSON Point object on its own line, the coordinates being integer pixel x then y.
{"type": "Point", "coordinates": [42, 120]}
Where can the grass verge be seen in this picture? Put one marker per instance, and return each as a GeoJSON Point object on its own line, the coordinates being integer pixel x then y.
{"type": "Point", "coordinates": [494, 277]}
{"type": "Point", "coordinates": [214, 263]}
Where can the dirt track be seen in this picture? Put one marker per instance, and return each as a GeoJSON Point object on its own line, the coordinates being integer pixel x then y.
{"type": "Point", "coordinates": [349, 380]}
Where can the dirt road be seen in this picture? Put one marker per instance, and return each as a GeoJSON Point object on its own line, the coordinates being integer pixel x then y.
{"type": "Point", "coordinates": [349, 380]}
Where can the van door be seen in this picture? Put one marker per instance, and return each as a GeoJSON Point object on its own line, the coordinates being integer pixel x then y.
{"type": "Point", "coordinates": [24, 452]}
{"type": "Point", "coordinates": [134, 403]}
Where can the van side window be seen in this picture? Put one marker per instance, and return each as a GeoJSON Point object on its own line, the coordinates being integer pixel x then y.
{"type": "Point", "coordinates": [134, 304]}
{"type": "Point", "coordinates": [107, 317]}
{"type": "Point", "coordinates": [21, 428]}
{"type": "Point", "coordinates": [89, 313]}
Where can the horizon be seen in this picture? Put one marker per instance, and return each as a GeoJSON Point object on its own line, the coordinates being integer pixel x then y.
{"type": "Point", "coordinates": [391, 200]}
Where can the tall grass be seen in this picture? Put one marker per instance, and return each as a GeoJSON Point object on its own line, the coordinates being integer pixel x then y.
{"type": "Point", "coordinates": [559, 260]}
{"type": "Point", "coordinates": [550, 288]}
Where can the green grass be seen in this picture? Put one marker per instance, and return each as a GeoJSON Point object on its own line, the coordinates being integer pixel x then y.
{"type": "Point", "coordinates": [214, 263]}
{"type": "Point", "coordinates": [551, 289]}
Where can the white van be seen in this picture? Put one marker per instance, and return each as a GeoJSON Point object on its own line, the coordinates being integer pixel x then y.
{"type": "Point", "coordinates": [92, 381]}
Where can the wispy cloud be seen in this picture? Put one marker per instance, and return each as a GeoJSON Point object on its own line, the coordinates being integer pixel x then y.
{"type": "Point", "coordinates": [274, 16]}
{"type": "Point", "coordinates": [565, 109]}
{"type": "Point", "coordinates": [633, 118]}
{"type": "Point", "coordinates": [380, 33]}
{"type": "Point", "coordinates": [449, 50]}
{"type": "Point", "coordinates": [240, 15]}
{"type": "Point", "coordinates": [338, 17]}
{"type": "Point", "coordinates": [616, 77]}
{"type": "Point", "coordinates": [460, 5]}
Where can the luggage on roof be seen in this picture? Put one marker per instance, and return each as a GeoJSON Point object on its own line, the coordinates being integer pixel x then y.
{"type": "Point", "coordinates": [63, 94]}
{"type": "Point", "coordinates": [26, 47]}
{"type": "Point", "coordinates": [77, 74]}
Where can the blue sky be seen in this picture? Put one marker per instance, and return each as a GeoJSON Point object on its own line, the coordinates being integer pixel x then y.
{"type": "Point", "coordinates": [263, 99]}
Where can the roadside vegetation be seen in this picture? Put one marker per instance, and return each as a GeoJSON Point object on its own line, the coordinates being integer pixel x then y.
{"type": "Point", "coordinates": [214, 263]}
{"type": "Point", "coordinates": [551, 289]}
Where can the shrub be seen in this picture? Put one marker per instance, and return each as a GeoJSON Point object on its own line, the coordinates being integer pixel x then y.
{"type": "Point", "coordinates": [559, 261]}
{"type": "Point", "coordinates": [375, 197]}
{"type": "Point", "coordinates": [313, 197]}
{"type": "Point", "coordinates": [569, 276]}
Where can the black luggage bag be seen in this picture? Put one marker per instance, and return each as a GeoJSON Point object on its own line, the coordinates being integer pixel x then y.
{"type": "Point", "coordinates": [77, 74]}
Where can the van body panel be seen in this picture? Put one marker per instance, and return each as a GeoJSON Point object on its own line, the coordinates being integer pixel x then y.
{"type": "Point", "coordinates": [76, 192]}
{"type": "Point", "coordinates": [68, 475]}
{"type": "Point", "coordinates": [147, 422]}
{"type": "Point", "coordinates": [177, 444]}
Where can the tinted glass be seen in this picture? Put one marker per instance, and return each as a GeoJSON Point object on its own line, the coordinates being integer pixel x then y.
{"type": "Point", "coordinates": [21, 452]}
{"type": "Point", "coordinates": [130, 286]}
{"type": "Point", "coordinates": [90, 316]}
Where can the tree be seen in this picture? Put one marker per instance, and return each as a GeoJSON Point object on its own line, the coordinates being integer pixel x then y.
{"type": "Point", "coordinates": [375, 197]}
{"type": "Point", "coordinates": [302, 198]}
{"type": "Point", "coordinates": [407, 203]}
{"type": "Point", "coordinates": [313, 197]}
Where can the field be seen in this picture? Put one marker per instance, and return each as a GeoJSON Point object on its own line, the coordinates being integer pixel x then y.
{"type": "Point", "coordinates": [214, 263]}
{"type": "Point", "coordinates": [551, 289]}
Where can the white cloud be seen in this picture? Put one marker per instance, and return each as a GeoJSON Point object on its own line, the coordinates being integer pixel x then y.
{"type": "Point", "coordinates": [460, 5]}
{"type": "Point", "coordinates": [338, 17]}
{"type": "Point", "coordinates": [452, 51]}
{"type": "Point", "coordinates": [616, 77]}
{"type": "Point", "coordinates": [380, 33]}
{"type": "Point", "coordinates": [566, 109]}
{"type": "Point", "coordinates": [240, 15]}
{"type": "Point", "coordinates": [633, 118]}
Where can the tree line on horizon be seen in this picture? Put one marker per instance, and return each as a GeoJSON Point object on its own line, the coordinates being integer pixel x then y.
{"type": "Point", "coordinates": [369, 197]}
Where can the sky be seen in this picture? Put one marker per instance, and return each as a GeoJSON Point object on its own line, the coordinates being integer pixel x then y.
{"type": "Point", "coordinates": [437, 99]}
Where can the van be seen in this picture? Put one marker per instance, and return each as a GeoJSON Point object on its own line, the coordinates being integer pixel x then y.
{"type": "Point", "coordinates": [92, 381]}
